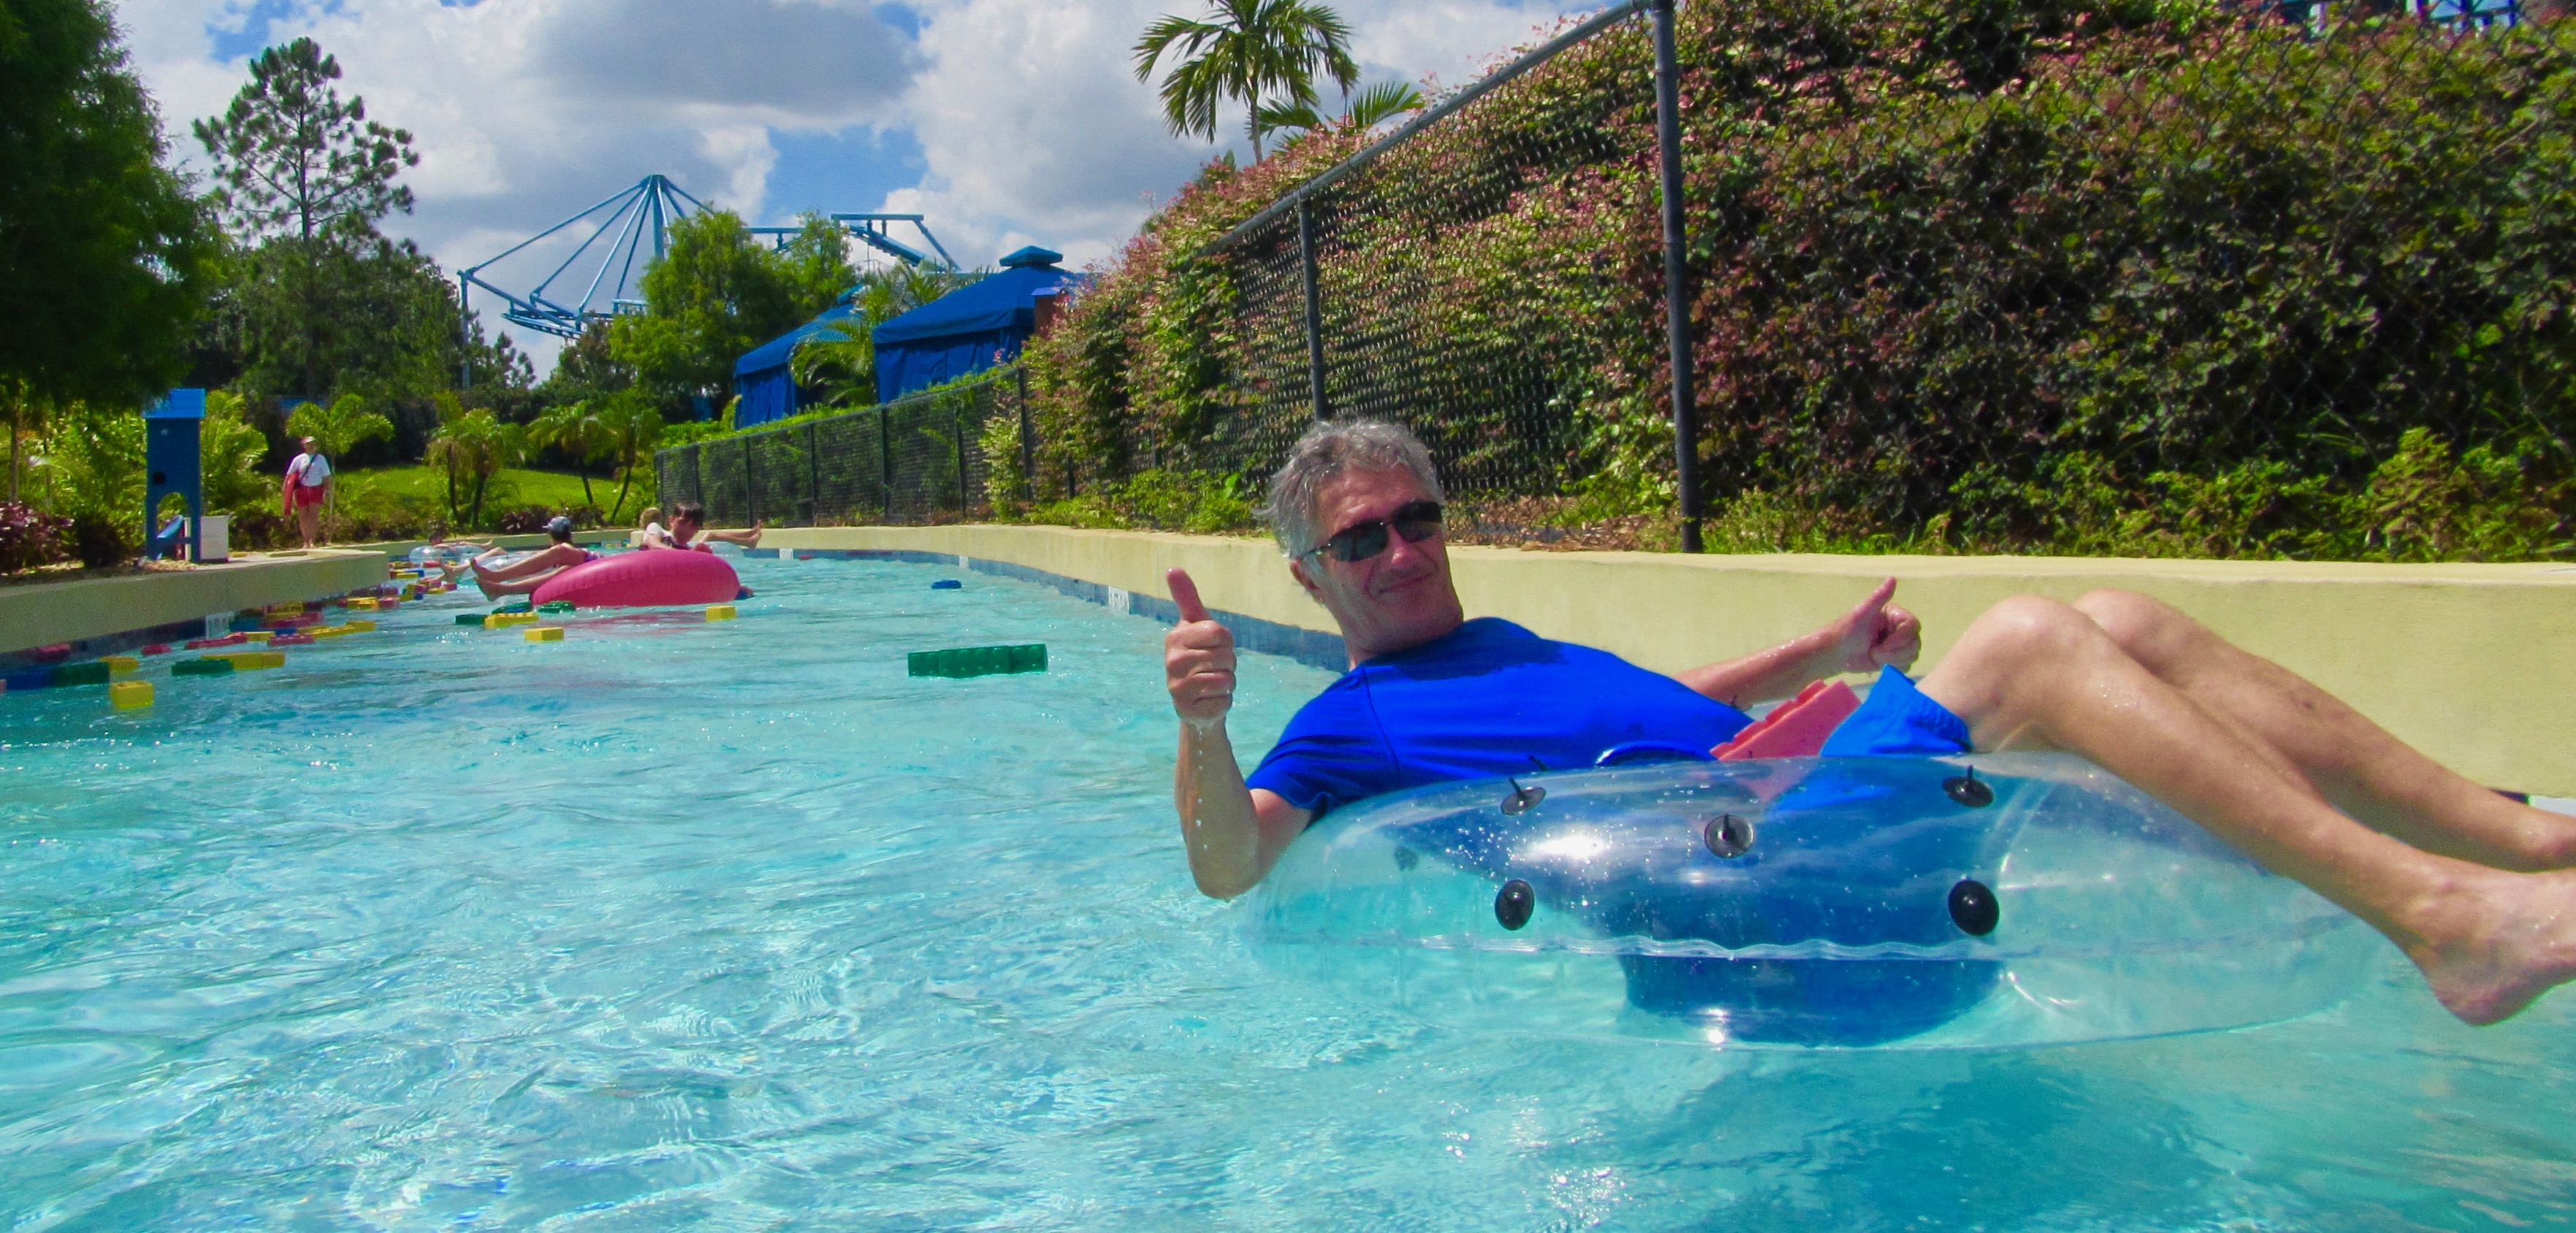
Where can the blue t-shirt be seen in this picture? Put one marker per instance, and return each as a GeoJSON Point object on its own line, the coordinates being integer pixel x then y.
{"type": "Point", "coordinates": [1488, 698]}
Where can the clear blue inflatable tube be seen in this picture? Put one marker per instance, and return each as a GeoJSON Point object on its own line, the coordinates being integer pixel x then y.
{"type": "Point", "coordinates": [1995, 900]}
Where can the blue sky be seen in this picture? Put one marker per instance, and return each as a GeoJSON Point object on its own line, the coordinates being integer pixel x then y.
{"type": "Point", "coordinates": [1006, 122]}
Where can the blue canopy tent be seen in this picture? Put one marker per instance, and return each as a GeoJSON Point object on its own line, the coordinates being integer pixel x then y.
{"type": "Point", "coordinates": [970, 329]}
{"type": "Point", "coordinates": [762, 378]}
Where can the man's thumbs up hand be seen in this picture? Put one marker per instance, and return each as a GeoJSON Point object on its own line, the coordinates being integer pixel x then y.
{"type": "Point", "coordinates": [1198, 658]}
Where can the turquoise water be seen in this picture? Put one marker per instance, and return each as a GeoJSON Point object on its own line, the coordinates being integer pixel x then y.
{"type": "Point", "coordinates": [735, 926]}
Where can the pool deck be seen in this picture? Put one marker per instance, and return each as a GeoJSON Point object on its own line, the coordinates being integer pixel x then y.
{"type": "Point", "coordinates": [2474, 664]}
{"type": "Point", "coordinates": [100, 616]}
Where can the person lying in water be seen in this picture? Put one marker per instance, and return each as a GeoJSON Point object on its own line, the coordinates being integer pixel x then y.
{"type": "Point", "coordinates": [526, 574]}
{"type": "Point", "coordinates": [689, 530]}
{"type": "Point", "coordinates": [2473, 886]}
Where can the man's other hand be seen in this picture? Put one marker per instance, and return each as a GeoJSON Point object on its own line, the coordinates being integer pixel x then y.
{"type": "Point", "coordinates": [1877, 634]}
{"type": "Point", "coordinates": [1198, 658]}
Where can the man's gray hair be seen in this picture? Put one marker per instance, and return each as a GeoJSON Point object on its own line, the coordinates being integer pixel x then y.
{"type": "Point", "coordinates": [1327, 450]}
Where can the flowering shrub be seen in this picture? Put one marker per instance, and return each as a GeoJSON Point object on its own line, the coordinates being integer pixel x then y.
{"type": "Point", "coordinates": [29, 537]}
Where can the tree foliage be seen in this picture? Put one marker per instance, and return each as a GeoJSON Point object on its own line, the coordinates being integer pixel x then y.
{"type": "Point", "coordinates": [292, 158]}
{"type": "Point", "coordinates": [105, 258]}
{"type": "Point", "coordinates": [842, 359]}
{"type": "Point", "coordinates": [716, 293]}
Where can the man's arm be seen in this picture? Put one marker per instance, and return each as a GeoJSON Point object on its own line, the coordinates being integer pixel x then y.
{"type": "Point", "coordinates": [1233, 833]}
{"type": "Point", "coordinates": [1872, 635]}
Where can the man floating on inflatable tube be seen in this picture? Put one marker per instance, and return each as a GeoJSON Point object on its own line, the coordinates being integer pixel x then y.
{"type": "Point", "coordinates": [525, 575]}
{"type": "Point", "coordinates": [688, 530]}
{"type": "Point", "coordinates": [2474, 887]}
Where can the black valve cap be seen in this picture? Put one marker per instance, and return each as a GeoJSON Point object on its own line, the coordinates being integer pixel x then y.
{"type": "Point", "coordinates": [1514, 903]}
{"type": "Point", "coordinates": [1522, 797]}
{"type": "Point", "coordinates": [1973, 908]}
{"type": "Point", "coordinates": [1969, 790]}
{"type": "Point", "coordinates": [1729, 835]}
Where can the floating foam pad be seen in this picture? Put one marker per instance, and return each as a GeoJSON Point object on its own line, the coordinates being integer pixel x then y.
{"type": "Point", "coordinates": [556, 606]}
{"type": "Point", "coordinates": [199, 644]}
{"type": "Point", "coordinates": [363, 603]}
{"type": "Point", "coordinates": [644, 579]}
{"type": "Point", "coordinates": [94, 672]}
{"type": "Point", "coordinates": [948, 584]}
{"type": "Point", "coordinates": [26, 679]}
{"type": "Point", "coordinates": [260, 636]}
{"type": "Point", "coordinates": [210, 665]}
{"type": "Point", "coordinates": [360, 626]}
{"type": "Point", "coordinates": [120, 663]}
{"type": "Point", "coordinates": [292, 640]}
{"type": "Point", "coordinates": [968, 661]}
{"type": "Point", "coordinates": [156, 648]}
{"type": "Point", "coordinates": [721, 612]}
{"type": "Point", "coordinates": [130, 695]}
{"type": "Point", "coordinates": [545, 633]}
{"type": "Point", "coordinates": [504, 620]}
{"type": "Point", "coordinates": [470, 618]}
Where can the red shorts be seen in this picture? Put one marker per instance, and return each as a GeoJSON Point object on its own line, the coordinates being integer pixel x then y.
{"type": "Point", "coordinates": [299, 495]}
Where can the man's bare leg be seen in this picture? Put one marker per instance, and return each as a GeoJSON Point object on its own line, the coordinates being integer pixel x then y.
{"type": "Point", "coordinates": [2354, 763]}
{"type": "Point", "coordinates": [2034, 673]}
{"type": "Point", "coordinates": [553, 558]}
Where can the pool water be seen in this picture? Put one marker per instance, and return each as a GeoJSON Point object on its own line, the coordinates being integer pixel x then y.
{"type": "Point", "coordinates": [679, 924]}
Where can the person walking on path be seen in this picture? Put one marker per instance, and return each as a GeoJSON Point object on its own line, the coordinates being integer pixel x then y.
{"type": "Point", "coordinates": [307, 486]}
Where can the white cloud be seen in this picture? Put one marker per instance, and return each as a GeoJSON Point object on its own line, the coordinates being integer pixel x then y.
{"type": "Point", "coordinates": [1031, 125]}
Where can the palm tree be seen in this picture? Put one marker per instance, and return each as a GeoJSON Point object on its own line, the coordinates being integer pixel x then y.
{"type": "Point", "coordinates": [1253, 52]}
{"type": "Point", "coordinates": [573, 428]}
{"type": "Point", "coordinates": [845, 355]}
{"type": "Point", "coordinates": [631, 424]}
{"type": "Point", "coordinates": [1367, 109]}
{"type": "Point", "coordinates": [475, 444]}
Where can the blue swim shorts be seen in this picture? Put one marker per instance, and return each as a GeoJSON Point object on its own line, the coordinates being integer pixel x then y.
{"type": "Point", "coordinates": [1897, 721]}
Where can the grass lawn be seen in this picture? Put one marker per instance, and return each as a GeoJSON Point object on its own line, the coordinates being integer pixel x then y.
{"type": "Point", "coordinates": [512, 488]}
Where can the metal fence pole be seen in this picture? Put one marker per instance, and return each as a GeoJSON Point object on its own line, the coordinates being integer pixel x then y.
{"type": "Point", "coordinates": [885, 460]}
{"type": "Point", "coordinates": [813, 478]}
{"type": "Point", "coordinates": [1028, 440]}
{"type": "Point", "coordinates": [750, 498]}
{"type": "Point", "coordinates": [1668, 152]}
{"type": "Point", "coordinates": [957, 421]}
{"type": "Point", "coordinates": [1314, 311]}
{"type": "Point", "coordinates": [697, 476]}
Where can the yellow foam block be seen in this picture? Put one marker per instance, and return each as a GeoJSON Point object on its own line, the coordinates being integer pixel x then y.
{"type": "Point", "coordinates": [130, 695]}
{"type": "Point", "coordinates": [363, 625]}
{"type": "Point", "coordinates": [292, 607]}
{"type": "Point", "coordinates": [546, 633]}
{"type": "Point", "coordinates": [363, 603]}
{"type": "Point", "coordinates": [328, 631]}
{"type": "Point", "coordinates": [121, 663]}
{"type": "Point", "coordinates": [720, 612]}
{"type": "Point", "coordinates": [504, 620]}
{"type": "Point", "coordinates": [258, 635]}
{"type": "Point", "coordinates": [252, 661]}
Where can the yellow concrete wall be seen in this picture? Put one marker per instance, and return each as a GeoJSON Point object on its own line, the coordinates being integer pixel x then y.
{"type": "Point", "coordinates": [44, 613]}
{"type": "Point", "coordinates": [2475, 664]}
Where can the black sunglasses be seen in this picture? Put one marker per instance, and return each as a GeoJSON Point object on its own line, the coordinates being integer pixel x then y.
{"type": "Point", "coordinates": [1415, 522]}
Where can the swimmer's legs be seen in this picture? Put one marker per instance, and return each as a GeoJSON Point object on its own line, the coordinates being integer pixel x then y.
{"type": "Point", "coordinates": [2034, 673]}
{"type": "Point", "coordinates": [747, 539]}
{"type": "Point", "coordinates": [2354, 763]}
{"type": "Point", "coordinates": [493, 588]}
{"type": "Point", "coordinates": [553, 558]}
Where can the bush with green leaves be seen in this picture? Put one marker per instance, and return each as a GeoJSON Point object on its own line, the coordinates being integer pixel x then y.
{"type": "Point", "coordinates": [2141, 277]}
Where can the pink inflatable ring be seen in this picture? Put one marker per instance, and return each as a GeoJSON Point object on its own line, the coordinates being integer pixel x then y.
{"type": "Point", "coordinates": [653, 578]}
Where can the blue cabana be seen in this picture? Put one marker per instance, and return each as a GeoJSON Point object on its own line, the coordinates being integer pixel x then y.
{"type": "Point", "coordinates": [762, 378]}
{"type": "Point", "coordinates": [970, 329]}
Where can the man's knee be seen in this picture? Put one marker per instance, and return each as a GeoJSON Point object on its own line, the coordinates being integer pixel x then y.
{"type": "Point", "coordinates": [2144, 626]}
{"type": "Point", "coordinates": [2029, 628]}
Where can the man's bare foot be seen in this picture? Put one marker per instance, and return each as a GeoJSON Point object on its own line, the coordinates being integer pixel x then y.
{"type": "Point", "coordinates": [2494, 942]}
{"type": "Point", "coordinates": [490, 589]}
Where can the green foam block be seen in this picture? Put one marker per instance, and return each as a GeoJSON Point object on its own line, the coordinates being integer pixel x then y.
{"type": "Point", "coordinates": [94, 672]}
{"type": "Point", "coordinates": [474, 619]}
{"type": "Point", "coordinates": [978, 660]}
{"type": "Point", "coordinates": [202, 667]}
{"type": "Point", "coordinates": [561, 605]}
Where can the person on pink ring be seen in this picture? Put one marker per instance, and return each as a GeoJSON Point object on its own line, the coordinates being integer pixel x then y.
{"type": "Point", "coordinates": [2476, 888]}
{"type": "Point", "coordinates": [689, 530]}
{"type": "Point", "coordinates": [525, 575]}
{"type": "Point", "coordinates": [307, 486]}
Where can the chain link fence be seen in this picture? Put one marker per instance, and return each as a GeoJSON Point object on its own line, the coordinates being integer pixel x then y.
{"type": "Point", "coordinates": [915, 460]}
{"type": "Point", "coordinates": [1349, 302]}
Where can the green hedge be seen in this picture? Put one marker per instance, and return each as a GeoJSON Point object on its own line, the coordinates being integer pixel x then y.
{"type": "Point", "coordinates": [2117, 278]}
